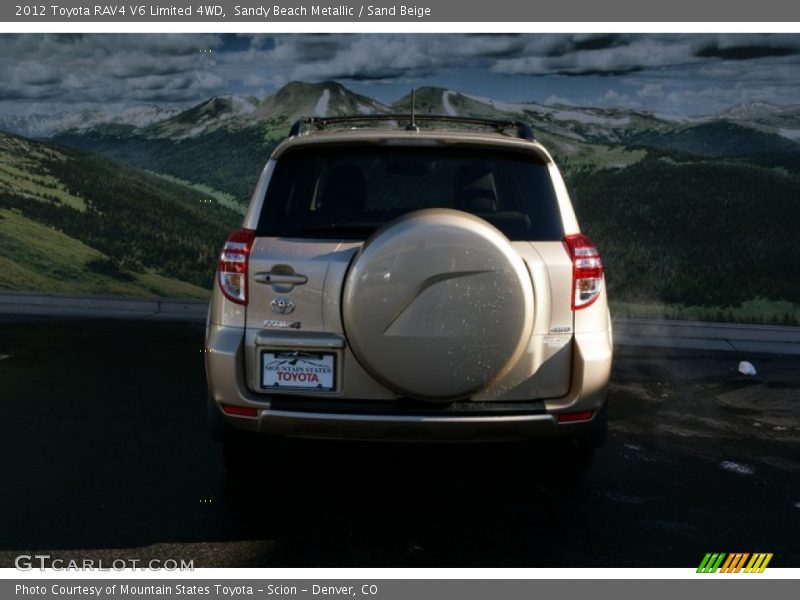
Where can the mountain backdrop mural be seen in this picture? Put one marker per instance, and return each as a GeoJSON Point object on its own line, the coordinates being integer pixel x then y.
{"type": "Point", "coordinates": [696, 215]}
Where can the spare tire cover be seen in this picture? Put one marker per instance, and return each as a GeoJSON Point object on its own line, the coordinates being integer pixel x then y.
{"type": "Point", "coordinates": [437, 304]}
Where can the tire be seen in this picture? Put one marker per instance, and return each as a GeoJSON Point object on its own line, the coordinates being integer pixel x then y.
{"type": "Point", "coordinates": [245, 455]}
{"type": "Point", "coordinates": [241, 452]}
{"type": "Point", "coordinates": [240, 449]}
{"type": "Point", "coordinates": [437, 305]}
{"type": "Point", "coordinates": [216, 427]}
{"type": "Point", "coordinates": [600, 433]}
{"type": "Point", "coordinates": [573, 455]}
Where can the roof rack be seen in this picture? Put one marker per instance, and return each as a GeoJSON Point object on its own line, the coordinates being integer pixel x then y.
{"type": "Point", "coordinates": [523, 130]}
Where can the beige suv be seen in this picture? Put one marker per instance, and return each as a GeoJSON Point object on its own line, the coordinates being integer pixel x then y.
{"type": "Point", "coordinates": [420, 282]}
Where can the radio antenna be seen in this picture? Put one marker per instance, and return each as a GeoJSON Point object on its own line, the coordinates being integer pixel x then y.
{"type": "Point", "coordinates": [412, 126]}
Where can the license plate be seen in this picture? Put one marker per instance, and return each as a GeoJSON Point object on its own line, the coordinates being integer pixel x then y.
{"type": "Point", "coordinates": [296, 370]}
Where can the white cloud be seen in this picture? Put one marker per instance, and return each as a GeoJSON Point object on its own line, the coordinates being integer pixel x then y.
{"type": "Point", "coordinates": [614, 99]}
{"type": "Point", "coordinates": [650, 90]}
{"type": "Point", "coordinates": [58, 70]}
{"type": "Point", "coordinates": [628, 53]}
{"type": "Point", "coordinates": [107, 67]}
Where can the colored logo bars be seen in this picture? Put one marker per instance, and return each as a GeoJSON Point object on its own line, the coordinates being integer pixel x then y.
{"type": "Point", "coordinates": [721, 562]}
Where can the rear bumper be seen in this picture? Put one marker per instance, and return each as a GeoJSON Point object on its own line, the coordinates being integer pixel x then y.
{"type": "Point", "coordinates": [406, 427]}
{"type": "Point", "coordinates": [226, 379]}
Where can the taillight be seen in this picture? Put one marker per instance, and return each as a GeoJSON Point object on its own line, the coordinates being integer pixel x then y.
{"type": "Point", "coordinates": [232, 265]}
{"type": "Point", "coordinates": [587, 270]}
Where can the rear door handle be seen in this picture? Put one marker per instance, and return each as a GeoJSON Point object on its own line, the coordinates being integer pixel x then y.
{"type": "Point", "coordinates": [271, 278]}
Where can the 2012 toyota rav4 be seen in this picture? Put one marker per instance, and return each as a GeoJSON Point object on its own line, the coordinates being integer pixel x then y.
{"type": "Point", "coordinates": [417, 283]}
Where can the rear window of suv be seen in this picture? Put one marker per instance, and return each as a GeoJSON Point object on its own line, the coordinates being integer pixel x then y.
{"type": "Point", "coordinates": [347, 192]}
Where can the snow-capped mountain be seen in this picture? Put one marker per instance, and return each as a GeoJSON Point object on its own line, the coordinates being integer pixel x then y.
{"type": "Point", "coordinates": [41, 125]}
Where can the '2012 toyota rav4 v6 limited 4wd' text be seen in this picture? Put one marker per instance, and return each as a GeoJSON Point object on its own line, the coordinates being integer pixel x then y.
{"type": "Point", "coordinates": [419, 283]}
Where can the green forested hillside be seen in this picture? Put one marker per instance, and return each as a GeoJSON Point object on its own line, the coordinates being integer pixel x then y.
{"type": "Point", "coordinates": [229, 161]}
{"type": "Point", "coordinates": [719, 139]}
{"type": "Point", "coordinates": [676, 230]}
{"type": "Point", "coordinates": [710, 234]}
{"type": "Point", "coordinates": [72, 221]}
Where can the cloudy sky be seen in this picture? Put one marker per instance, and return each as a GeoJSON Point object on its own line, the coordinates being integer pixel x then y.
{"type": "Point", "coordinates": [676, 74]}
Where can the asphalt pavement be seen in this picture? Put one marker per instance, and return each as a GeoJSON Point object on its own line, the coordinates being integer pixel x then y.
{"type": "Point", "coordinates": [104, 455]}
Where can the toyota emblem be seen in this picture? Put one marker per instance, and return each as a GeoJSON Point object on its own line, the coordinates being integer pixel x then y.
{"type": "Point", "coordinates": [282, 306]}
